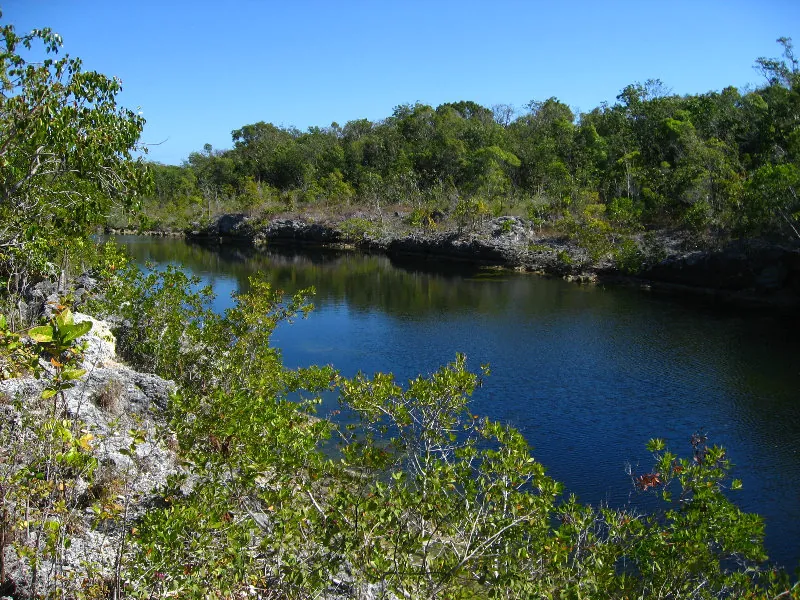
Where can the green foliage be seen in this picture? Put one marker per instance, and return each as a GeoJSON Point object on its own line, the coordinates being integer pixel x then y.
{"type": "Point", "coordinates": [46, 463]}
{"type": "Point", "coordinates": [772, 194]}
{"type": "Point", "coordinates": [356, 229]}
{"type": "Point", "coordinates": [16, 357]}
{"type": "Point", "coordinates": [628, 257]}
{"type": "Point", "coordinates": [65, 151]}
{"type": "Point", "coordinates": [57, 340]}
{"type": "Point", "coordinates": [470, 212]}
{"type": "Point", "coordinates": [165, 315]}
{"type": "Point", "coordinates": [446, 502]}
{"type": "Point", "coordinates": [591, 232]}
{"type": "Point", "coordinates": [255, 453]}
{"type": "Point", "coordinates": [565, 258]}
{"type": "Point", "coordinates": [538, 210]}
{"type": "Point", "coordinates": [422, 218]}
{"type": "Point", "coordinates": [698, 216]}
{"type": "Point", "coordinates": [624, 212]}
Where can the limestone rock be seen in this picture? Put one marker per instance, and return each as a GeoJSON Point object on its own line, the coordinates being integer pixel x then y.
{"type": "Point", "coordinates": [102, 345]}
{"type": "Point", "coordinates": [111, 402]}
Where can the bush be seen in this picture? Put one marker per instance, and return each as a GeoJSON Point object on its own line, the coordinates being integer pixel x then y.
{"type": "Point", "coordinates": [625, 212]}
{"type": "Point", "coordinates": [628, 257]}
{"type": "Point", "coordinates": [357, 229]}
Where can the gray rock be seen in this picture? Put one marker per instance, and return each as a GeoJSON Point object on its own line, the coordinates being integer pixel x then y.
{"type": "Point", "coordinates": [231, 224]}
{"type": "Point", "coordinates": [111, 401]}
{"type": "Point", "coordinates": [101, 343]}
{"type": "Point", "coordinates": [86, 282]}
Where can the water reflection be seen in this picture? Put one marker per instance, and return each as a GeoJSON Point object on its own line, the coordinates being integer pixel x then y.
{"type": "Point", "coordinates": [588, 374]}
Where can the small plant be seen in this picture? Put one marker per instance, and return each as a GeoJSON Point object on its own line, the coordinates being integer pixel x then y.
{"type": "Point", "coordinates": [470, 212]}
{"type": "Point", "coordinates": [698, 216]}
{"type": "Point", "coordinates": [628, 257]}
{"type": "Point", "coordinates": [57, 340]}
{"type": "Point", "coordinates": [16, 357]}
{"type": "Point", "coordinates": [539, 248]}
{"type": "Point", "coordinates": [422, 217]}
{"type": "Point", "coordinates": [625, 212]}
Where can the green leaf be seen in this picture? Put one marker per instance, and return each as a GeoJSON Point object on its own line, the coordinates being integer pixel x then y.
{"type": "Point", "coordinates": [73, 373]}
{"type": "Point", "coordinates": [48, 394]}
{"type": "Point", "coordinates": [41, 335]}
{"type": "Point", "coordinates": [65, 318]}
{"type": "Point", "coordinates": [72, 332]}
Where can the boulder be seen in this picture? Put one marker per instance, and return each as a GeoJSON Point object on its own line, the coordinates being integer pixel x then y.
{"type": "Point", "coordinates": [232, 224]}
{"type": "Point", "coordinates": [101, 344]}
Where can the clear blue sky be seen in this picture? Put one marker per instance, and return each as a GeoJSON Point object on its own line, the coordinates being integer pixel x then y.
{"type": "Point", "coordinates": [199, 69]}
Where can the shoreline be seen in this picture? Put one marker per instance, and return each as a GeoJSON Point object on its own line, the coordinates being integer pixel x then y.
{"type": "Point", "coordinates": [750, 274]}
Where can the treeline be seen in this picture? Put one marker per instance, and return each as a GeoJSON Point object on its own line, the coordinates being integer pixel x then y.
{"type": "Point", "coordinates": [724, 161]}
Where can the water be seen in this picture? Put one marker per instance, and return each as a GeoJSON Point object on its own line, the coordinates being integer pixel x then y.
{"type": "Point", "coordinates": [588, 374]}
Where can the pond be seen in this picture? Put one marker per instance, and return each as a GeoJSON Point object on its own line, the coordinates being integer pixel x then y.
{"type": "Point", "coordinates": [587, 373]}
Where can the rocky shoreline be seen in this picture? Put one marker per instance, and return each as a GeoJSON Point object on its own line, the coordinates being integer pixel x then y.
{"type": "Point", "coordinates": [745, 273]}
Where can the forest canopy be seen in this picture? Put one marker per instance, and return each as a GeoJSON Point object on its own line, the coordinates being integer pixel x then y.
{"type": "Point", "coordinates": [723, 161]}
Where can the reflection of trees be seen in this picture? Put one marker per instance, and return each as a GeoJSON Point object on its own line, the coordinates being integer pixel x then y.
{"type": "Point", "coordinates": [408, 287]}
{"type": "Point", "coordinates": [619, 324]}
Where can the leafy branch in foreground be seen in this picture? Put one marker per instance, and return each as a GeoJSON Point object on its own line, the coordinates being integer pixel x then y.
{"type": "Point", "coordinates": [455, 507]}
{"type": "Point", "coordinates": [66, 152]}
{"type": "Point", "coordinates": [57, 339]}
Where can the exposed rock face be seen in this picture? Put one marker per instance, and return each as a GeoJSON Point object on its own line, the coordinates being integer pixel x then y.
{"type": "Point", "coordinates": [233, 224]}
{"type": "Point", "coordinates": [236, 225]}
{"type": "Point", "coordinates": [298, 230]}
{"type": "Point", "coordinates": [111, 401]}
{"type": "Point", "coordinates": [753, 272]}
{"type": "Point", "coordinates": [239, 227]}
{"type": "Point", "coordinates": [101, 344]}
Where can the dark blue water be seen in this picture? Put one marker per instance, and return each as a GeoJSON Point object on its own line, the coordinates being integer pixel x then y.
{"type": "Point", "coordinates": [588, 374]}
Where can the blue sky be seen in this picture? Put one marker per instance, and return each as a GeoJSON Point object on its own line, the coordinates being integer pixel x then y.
{"type": "Point", "coordinates": [199, 69]}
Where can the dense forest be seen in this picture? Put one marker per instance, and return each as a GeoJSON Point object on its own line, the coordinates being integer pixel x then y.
{"type": "Point", "coordinates": [720, 163]}
{"type": "Point", "coordinates": [199, 468]}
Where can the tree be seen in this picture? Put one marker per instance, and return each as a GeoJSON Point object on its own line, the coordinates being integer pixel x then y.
{"type": "Point", "coordinates": [490, 172]}
{"type": "Point", "coordinates": [503, 114]}
{"type": "Point", "coordinates": [782, 98]}
{"type": "Point", "coordinates": [66, 148]}
{"type": "Point", "coordinates": [543, 142]}
{"type": "Point", "coordinates": [783, 72]}
{"type": "Point", "coordinates": [254, 146]}
{"type": "Point", "coordinates": [772, 201]}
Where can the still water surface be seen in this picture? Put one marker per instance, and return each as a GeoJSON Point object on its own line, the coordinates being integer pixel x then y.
{"type": "Point", "coordinates": [588, 374]}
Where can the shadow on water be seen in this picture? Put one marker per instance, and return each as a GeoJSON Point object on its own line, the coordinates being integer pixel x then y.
{"type": "Point", "coordinates": [587, 373]}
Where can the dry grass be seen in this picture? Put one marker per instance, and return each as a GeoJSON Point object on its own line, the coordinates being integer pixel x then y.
{"type": "Point", "coordinates": [109, 397]}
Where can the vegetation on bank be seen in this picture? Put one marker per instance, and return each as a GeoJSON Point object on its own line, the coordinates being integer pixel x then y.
{"type": "Point", "coordinates": [716, 165]}
{"type": "Point", "coordinates": [420, 497]}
